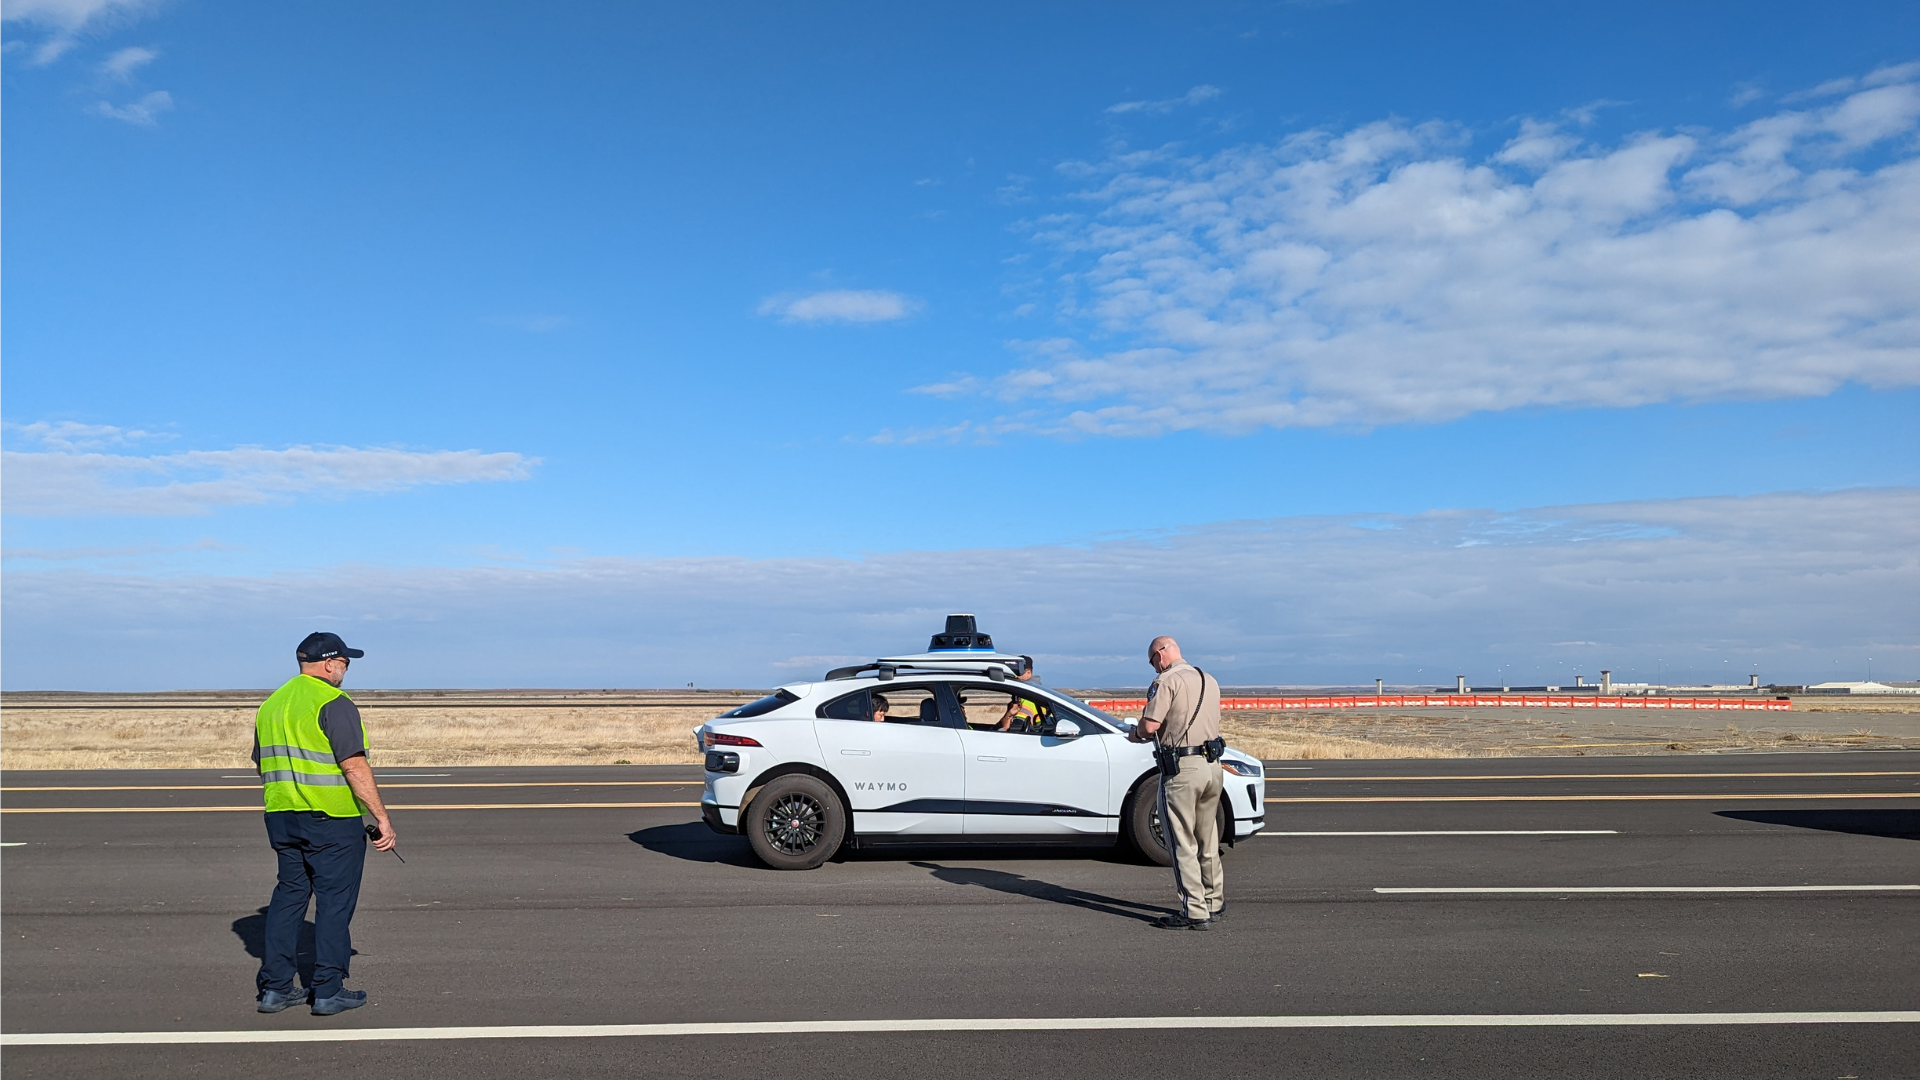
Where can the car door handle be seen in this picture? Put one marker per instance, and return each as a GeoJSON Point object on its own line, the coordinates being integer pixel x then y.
{"type": "Point", "coordinates": [857, 753]}
{"type": "Point", "coordinates": [989, 757]}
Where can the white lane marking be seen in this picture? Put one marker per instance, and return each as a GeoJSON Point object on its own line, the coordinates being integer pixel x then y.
{"type": "Point", "coordinates": [1021, 1023]}
{"type": "Point", "coordinates": [1613, 776]}
{"type": "Point", "coordinates": [1463, 832]}
{"type": "Point", "coordinates": [22, 843]}
{"type": "Point", "coordinates": [385, 775]}
{"type": "Point", "coordinates": [1674, 889]}
{"type": "Point", "coordinates": [1289, 768]}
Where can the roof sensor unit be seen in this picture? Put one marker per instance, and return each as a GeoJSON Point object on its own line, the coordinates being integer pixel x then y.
{"type": "Point", "coordinates": [961, 633]}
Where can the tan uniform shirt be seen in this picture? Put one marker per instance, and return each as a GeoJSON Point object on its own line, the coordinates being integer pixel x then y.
{"type": "Point", "coordinates": [1173, 699]}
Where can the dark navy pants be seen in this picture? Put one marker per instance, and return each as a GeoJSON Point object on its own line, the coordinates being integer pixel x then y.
{"type": "Point", "coordinates": [320, 857]}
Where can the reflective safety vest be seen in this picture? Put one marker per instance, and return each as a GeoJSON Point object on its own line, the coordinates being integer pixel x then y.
{"type": "Point", "coordinates": [296, 760]}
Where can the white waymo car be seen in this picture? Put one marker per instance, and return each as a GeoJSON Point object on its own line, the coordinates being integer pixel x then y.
{"type": "Point", "coordinates": [946, 746]}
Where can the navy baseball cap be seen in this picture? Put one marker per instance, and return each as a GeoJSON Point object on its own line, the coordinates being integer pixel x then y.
{"type": "Point", "coordinates": [320, 646]}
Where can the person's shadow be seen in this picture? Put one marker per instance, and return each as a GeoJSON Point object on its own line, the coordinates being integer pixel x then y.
{"type": "Point", "coordinates": [1014, 884]}
{"type": "Point", "coordinates": [252, 932]}
{"type": "Point", "coordinates": [695, 842]}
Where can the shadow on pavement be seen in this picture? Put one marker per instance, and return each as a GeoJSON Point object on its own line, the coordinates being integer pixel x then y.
{"type": "Point", "coordinates": [694, 842]}
{"type": "Point", "coordinates": [252, 932]}
{"type": "Point", "coordinates": [1897, 823]}
{"type": "Point", "coordinates": [1014, 884]}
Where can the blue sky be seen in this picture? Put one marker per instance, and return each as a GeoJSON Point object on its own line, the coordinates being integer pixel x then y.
{"type": "Point", "coordinates": [308, 305]}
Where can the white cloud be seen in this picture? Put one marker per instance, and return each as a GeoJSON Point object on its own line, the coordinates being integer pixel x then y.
{"type": "Point", "coordinates": [840, 305]}
{"type": "Point", "coordinates": [73, 479]}
{"type": "Point", "coordinates": [1785, 585]}
{"type": "Point", "coordinates": [1166, 105]}
{"type": "Point", "coordinates": [1374, 276]}
{"type": "Point", "coordinates": [73, 435]}
{"type": "Point", "coordinates": [144, 112]}
{"type": "Point", "coordinates": [121, 65]}
{"type": "Point", "coordinates": [67, 20]}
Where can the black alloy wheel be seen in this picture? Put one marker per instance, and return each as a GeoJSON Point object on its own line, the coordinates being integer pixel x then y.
{"type": "Point", "coordinates": [1147, 834]}
{"type": "Point", "coordinates": [796, 822]}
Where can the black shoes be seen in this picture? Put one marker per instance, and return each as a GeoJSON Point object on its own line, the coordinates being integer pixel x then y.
{"type": "Point", "coordinates": [1180, 922]}
{"type": "Point", "coordinates": [339, 1003]}
{"type": "Point", "coordinates": [273, 1001]}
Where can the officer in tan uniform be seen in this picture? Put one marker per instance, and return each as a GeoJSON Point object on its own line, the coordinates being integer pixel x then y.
{"type": "Point", "coordinates": [1183, 717]}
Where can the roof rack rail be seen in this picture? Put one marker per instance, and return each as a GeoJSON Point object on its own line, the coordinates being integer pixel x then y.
{"type": "Point", "coordinates": [996, 669]}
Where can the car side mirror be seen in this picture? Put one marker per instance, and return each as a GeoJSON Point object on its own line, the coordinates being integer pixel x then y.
{"type": "Point", "coordinates": [1064, 728]}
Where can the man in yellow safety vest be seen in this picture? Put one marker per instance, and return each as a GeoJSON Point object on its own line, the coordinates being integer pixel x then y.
{"type": "Point", "coordinates": [311, 749]}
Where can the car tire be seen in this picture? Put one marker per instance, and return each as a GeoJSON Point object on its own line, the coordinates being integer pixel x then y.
{"type": "Point", "coordinates": [1142, 821]}
{"type": "Point", "coordinates": [796, 823]}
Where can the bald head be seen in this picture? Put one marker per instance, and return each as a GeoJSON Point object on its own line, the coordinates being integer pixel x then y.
{"type": "Point", "coordinates": [1163, 652]}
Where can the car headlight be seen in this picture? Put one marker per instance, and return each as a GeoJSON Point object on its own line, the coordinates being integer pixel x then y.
{"type": "Point", "coordinates": [1240, 768]}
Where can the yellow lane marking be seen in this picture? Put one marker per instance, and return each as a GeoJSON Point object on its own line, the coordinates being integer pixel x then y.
{"type": "Point", "coordinates": [1586, 798]}
{"type": "Point", "coordinates": [1593, 776]}
{"type": "Point", "coordinates": [254, 785]}
{"type": "Point", "coordinates": [257, 810]}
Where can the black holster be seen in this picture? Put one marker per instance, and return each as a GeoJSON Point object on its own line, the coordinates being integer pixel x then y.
{"type": "Point", "coordinates": [1214, 747]}
{"type": "Point", "coordinates": [1168, 761]}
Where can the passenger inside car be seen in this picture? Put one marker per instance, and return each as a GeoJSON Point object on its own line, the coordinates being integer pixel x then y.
{"type": "Point", "coordinates": [879, 708]}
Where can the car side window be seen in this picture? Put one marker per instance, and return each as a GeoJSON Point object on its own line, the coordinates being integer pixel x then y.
{"type": "Point", "coordinates": [888, 703]}
{"type": "Point", "coordinates": [851, 707]}
{"type": "Point", "coordinates": [989, 708]}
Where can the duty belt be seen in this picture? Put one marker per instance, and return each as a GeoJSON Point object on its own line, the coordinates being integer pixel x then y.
{"type": "Point", "coordinates": [1184, 751]}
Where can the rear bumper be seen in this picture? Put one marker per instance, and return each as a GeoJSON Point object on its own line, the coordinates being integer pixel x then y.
{"type": "Point", "coordinates": [710, 814]}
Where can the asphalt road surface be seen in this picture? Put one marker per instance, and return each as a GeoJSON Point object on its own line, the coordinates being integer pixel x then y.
{"type": "Point", "coordinates": [131, 904]}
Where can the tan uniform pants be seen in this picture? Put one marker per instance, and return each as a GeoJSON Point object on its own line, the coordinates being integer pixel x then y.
{"type": "Point", "coordinates": [1190, 815]}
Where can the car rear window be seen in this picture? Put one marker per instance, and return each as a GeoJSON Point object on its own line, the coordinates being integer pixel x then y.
{"type": "Point", "coordinates": [903, 704]}
{"type": "Point", "coordinates": [763, 706]}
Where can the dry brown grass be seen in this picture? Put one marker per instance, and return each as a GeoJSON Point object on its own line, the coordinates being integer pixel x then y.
{"type": "Point", "coordinates": [1269, 741]}
{"type": "Point", "coordinates": [491, 733]}
{"type": "Point", "coordinates": [222, 738]}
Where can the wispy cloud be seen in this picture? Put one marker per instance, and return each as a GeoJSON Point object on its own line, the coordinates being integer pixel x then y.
{"type": "Point", "coordinates": [144, 112]}
{"type": "Point", "coordinates": [1374, 276]}
{"type": "Point", "coordinates": [840, 305]}
{"type": "Point", "coordinates": [71, 477]}
{"type": "Point", "coordinates": [67, 20]}
{"type": "Point", "coordinates": [1166, 105]}
{"type": "Point", "coordinates": [121, 65]}
{"type": "Point", "coordinates": [1785, 585]}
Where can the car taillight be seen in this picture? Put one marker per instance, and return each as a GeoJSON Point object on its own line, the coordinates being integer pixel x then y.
{"type": "Point", "coordinates": [715, 738]}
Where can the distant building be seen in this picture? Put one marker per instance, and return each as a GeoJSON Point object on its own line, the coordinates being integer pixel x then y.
{"type": "Point", "coordinates": [1860, 688]}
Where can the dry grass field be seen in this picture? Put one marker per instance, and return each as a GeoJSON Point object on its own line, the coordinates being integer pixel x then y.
{"type": "Point", "coordinates": [197, 738]}
{"type": "Point", "coordinates": [416, 729]}
{"type": "Point", "coordinates": [220, 738]}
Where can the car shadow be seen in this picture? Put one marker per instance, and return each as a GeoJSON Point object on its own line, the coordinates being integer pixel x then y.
{"type": "Point", "coordinates": [1016, 885]}
{"type": "Point", "coordinates": [252, 932]}
{"type": "Point", "coordinates": [1891, 822]}
{"type": "Point", "coordinates": [695, 842]}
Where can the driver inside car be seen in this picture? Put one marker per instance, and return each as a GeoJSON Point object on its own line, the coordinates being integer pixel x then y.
{"type": "Point", "coordinates": [879, 708]}
{"type": "Point", "coordinates": [1024, 715]}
